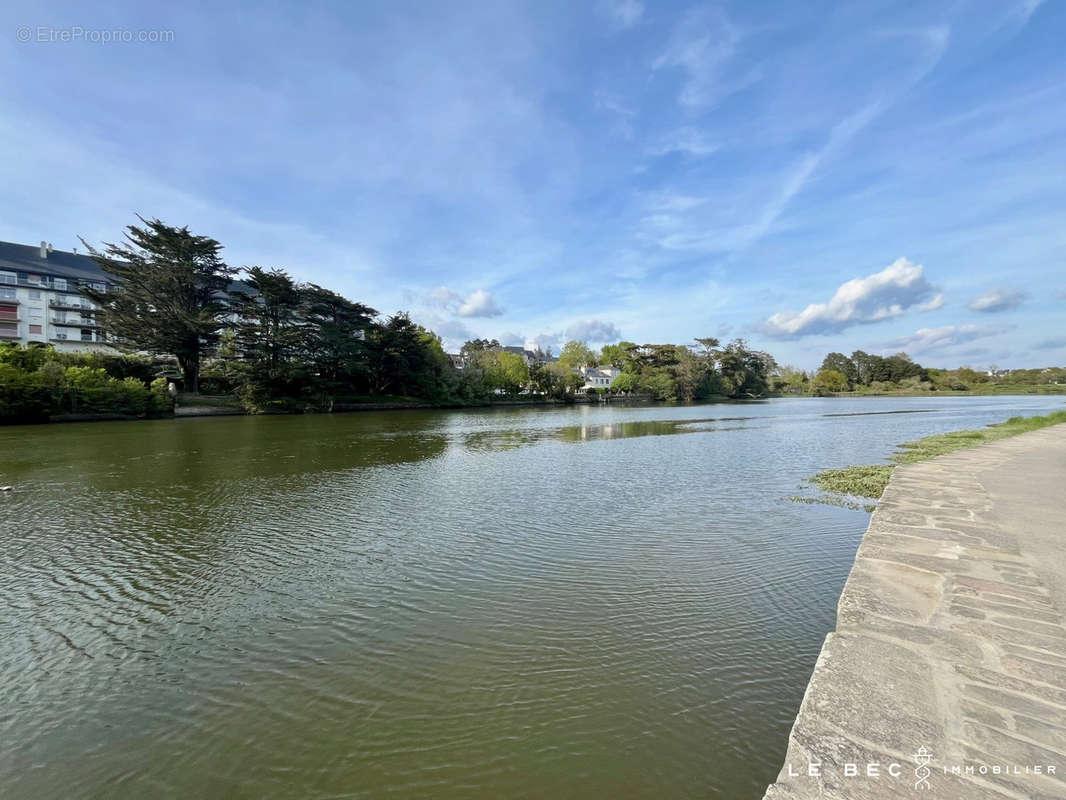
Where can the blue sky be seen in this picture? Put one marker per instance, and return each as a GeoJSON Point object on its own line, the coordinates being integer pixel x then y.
{"type": "Point", "coordinates": [810, 176]}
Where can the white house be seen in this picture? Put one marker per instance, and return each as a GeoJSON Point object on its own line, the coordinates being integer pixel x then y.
{"type": "Point", "coordinates": [598, 377]}
{"type": "Point", "coordinates": [41, 299]}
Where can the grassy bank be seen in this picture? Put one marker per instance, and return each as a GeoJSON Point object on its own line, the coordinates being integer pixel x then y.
{"type": "Point", "coordinates": [842, 487]}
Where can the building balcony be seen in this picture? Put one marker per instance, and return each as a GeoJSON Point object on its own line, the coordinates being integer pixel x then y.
{"type": "Point", "coordinates": [75, 339]}
{"type": "Point", "coordinates": [75, 323]}
{"type": "Point", "coordinates": [7, 333]}
{"type": "Point", "coordinates": [8, 317]}
{"type": "Point", "coordinates": [59, 304]}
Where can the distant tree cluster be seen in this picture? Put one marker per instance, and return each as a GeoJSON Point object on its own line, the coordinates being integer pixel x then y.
{"type": "Point", "coordinates": [866, 373]}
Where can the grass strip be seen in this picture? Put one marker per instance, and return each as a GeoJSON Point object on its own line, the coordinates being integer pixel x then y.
{"type": "Point", "coordinates": [838, 485]}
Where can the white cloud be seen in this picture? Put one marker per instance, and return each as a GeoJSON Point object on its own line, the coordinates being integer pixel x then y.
{"type": "Point", "coordinates": [883, 295]}
{"type": "Point", "coordinates": [933, 305]}
{"type": "Point", "coordinates": [1051, 344]}
{"type": "Point", "coordinates": [478, 303]}
{"type": "Point", "coordinates": [624, 13]}
{"type": "Point", "coordinates": [997, 300]}
{"type": "Point", "coordinates": [593, 330]}
{"type": "Point", "coordinates": [925, 339]}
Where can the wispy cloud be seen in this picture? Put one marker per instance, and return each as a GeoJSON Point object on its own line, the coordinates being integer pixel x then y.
{"type": "Point", "coordinates": [933, 305]}
{"type": "Point", "coordinates": [667, 172]}
{"type": "Point", "coordinates": [927, 339]}
{"type": "Point", "coordinates": [876, 297]}
{"type": "Point", "coordinates": [701, 46]}
{"type": "Point", "coordinates": [997, 300]}
{"type": "Point", "coordinates": [685, 140]}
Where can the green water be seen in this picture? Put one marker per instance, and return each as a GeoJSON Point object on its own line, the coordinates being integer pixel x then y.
{"type": "Point", "coordinates": [575, 602]}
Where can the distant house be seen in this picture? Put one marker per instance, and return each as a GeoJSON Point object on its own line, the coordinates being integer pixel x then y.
{"type": "Point", "coordinates": [598, 377]}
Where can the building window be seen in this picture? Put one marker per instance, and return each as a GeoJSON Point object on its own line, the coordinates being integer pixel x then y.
{"type": "Point", "coordinates": [35, 294]}
{"type": "Point", "coordinates": [9, 311]}
{"type": "Point", "coordinates": [6, 293]}
{"type": "Point", "coordinates": [35, 328]}
{"type": "Point", "coordinates": [9, 330]}
{"type": "Point", "coordinates": [61, 284]}
{"type": "Point", "coordinates": [86, 335]}
{"type": "Point", "coordinates": [8, 277]}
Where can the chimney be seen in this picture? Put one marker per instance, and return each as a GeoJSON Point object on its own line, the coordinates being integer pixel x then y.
{"type": "Point", "coordinates": [44, 249]}
{"type": "Point", "coordinates": [74, 250]}
{"type": "Point", "coordinates": [49, 247]}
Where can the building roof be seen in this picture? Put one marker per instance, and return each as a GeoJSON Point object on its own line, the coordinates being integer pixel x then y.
{"type": "Point", "coordinates": [61, 264]}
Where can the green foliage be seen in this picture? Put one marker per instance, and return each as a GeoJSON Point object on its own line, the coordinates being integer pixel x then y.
{"type": "Point", "coordinates": [830, 380]}
{"type": "Point", "coordinates": [503, 371]}
{"type": "Point", "coordinates": [168, 293]}
{"type": "Point", "coordinates": [744, 372]}
{"type": "Point", "coordinates": [869, 481]}
{"type": "Point", "coordinates": [626, 382]}
{"type": "Point", "coordinates": [841, 365]}
{"type": "Point", "coordinates": [555, 381]}
{"type": "Point", "coordinates": [577, 354]}
{"type": "Point", "coordinates": [791, 380]}
{"type": "Point", "coordinates": [680, 372]}
{"type": "Point", "coordinates": [657, 383]}
{"type": "Point", "coordinates": [35, 386]}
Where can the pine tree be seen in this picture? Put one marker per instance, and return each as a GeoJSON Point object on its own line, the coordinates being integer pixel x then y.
{"type": "Point", "coordinates": [168, 293]}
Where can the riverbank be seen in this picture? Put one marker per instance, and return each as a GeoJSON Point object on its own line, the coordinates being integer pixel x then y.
{"type": "Point", "coordinates": [869, 481]}
{"type": "Point", "coordinates": [947, 668]}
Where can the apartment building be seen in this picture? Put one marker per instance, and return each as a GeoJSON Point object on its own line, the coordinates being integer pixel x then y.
{"type": "Point", "coordinates": [41, 299]}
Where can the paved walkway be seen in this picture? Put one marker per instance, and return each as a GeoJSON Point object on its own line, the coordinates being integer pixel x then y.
{"type": "Point", "coordinates": [949, 636]}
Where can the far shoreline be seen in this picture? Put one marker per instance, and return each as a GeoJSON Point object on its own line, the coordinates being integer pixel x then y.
{"type": "Point", "coordinates": [230, 408]}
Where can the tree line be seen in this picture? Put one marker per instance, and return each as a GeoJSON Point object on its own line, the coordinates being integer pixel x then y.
{"type": "Point", "coordinates": [277, 343]}
{"type": "Point", "coordinates": [268, 338]}
{"type": "Point", "coordinates": [871, 374]}
{"type": "Point", "coordinates": [273, 340]}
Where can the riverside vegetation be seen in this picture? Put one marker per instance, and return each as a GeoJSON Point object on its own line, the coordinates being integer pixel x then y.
{"type": "Point", "coordinates": [841, 485]}
{"type": "Point", "coordinates": [261, 341]}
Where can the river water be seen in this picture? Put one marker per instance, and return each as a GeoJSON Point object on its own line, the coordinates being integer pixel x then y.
{"type": "Point", "coordinates": [601, 602]}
